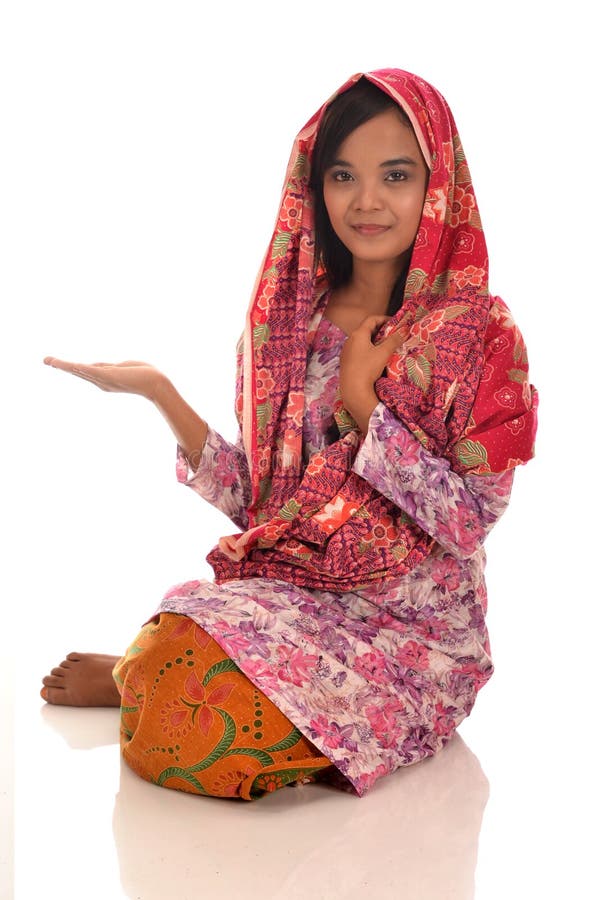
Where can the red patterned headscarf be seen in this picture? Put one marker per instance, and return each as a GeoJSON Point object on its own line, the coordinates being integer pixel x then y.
{"type": "Point", "coordinates": [459, 382]}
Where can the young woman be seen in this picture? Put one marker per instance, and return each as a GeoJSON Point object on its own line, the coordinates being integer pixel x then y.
{"type": "Point", "coordinates": [384, 401]}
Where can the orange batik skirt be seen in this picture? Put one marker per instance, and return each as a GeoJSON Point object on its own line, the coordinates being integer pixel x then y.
{"type": "Point", "coordinates": [192, 721]}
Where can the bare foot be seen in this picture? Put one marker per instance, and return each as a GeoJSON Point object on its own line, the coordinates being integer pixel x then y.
{"type": "Point", "coordinates": [83, 679]}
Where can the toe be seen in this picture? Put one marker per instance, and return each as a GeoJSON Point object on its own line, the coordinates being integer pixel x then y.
{"type": "Point", "coordinates": [53, 681]}
{"type": "Point", "coordinates": [74, 657]}
{"type": "Point", "coordinates": [58, 671]}
{"type": "Point", "coordinates": [58, 696]}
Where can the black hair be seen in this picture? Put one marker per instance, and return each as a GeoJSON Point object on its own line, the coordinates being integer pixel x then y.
{"type": "Point", "coordinates": [360, 103]}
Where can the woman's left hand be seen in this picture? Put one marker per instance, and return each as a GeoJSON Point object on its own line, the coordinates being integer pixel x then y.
{"type": "Point", "coordinates": [362, 363]}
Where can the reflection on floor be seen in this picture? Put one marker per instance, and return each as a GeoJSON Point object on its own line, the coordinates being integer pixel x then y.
{"type": "Point", "coordinates": [415, 835]}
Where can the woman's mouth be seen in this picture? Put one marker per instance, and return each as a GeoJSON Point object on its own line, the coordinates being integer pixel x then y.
{"type": "Point", "coordinates": [370, 230]}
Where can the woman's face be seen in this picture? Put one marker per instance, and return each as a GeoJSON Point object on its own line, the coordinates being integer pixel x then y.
{"type": "Point", "coordinates": [374, 192]}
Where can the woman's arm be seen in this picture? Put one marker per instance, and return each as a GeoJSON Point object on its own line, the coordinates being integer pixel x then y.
{"type": "Point", "coordinates": [458, 511]}
{"type": "Point", "coordinates": [188, 427]}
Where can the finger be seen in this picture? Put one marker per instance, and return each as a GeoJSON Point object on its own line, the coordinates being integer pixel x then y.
{"type": "Point", "coordinates": [59, 364]}
{"type": "Point", "coordinates": [394, 338]}
{"type": "Point", "coordinates": [371, 322]}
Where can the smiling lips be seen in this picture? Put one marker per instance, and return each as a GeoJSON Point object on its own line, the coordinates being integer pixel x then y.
{"type": "Point", "coordinates": [370, 230]}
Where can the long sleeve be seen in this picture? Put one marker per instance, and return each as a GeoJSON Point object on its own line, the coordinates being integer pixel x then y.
{"type": "Point", "coordinates": [221, 478]}
{"type": "Point", "coordinates": [458, 511]}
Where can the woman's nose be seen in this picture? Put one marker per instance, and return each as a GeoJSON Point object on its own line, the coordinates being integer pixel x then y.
{"type": "Point", "coordinates": [367, 197]}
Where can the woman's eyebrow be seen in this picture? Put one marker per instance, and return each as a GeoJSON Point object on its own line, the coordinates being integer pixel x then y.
{"type": "Point", "coordinates": [400, 161]}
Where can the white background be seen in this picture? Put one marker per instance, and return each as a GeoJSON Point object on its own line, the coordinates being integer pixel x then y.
{"type": "Point", "coordinates": [142, 152]}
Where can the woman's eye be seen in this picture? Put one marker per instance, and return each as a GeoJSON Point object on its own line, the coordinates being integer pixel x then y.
{"type": "Point", "coordinates": [341, 176]}
{"type": "Point", "coordinates": [396, 176]}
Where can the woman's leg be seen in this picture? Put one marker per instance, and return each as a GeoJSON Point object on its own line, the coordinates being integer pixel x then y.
{"type": "Point", "coordinates": [192, 721]}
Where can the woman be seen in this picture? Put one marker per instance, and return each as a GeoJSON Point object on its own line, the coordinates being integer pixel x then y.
{"type": "Point", "coordinates": [383, 400]}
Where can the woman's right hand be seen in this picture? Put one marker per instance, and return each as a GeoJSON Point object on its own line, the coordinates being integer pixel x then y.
{"type": "Point", "coordinates": [130, 377]}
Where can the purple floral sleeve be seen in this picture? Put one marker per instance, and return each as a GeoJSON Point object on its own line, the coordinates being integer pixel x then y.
{"type": "Point", "coordinates": [458, 511]}
{"type": "Point", "coordinates": [221, 478]}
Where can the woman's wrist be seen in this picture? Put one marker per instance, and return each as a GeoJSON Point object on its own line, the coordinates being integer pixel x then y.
{"type": "Point", "coordinates": [188, 427]}
{"type": "Point", "coordinates": [363, 407]}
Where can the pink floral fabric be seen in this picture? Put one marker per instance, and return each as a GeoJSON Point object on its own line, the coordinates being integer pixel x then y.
{"type": "Point", "coordinates": [378, 677]}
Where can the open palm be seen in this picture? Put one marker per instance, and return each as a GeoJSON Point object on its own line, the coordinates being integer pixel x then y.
{"type": "Point", "coordinates": [129, 377]}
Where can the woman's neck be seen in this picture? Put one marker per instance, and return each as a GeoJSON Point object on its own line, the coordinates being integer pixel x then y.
{"type": "Point", "coordinates": [369, 287]}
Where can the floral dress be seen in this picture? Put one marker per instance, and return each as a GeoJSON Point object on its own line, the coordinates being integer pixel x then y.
{"type": "Point", "coordinates": [375, 678]}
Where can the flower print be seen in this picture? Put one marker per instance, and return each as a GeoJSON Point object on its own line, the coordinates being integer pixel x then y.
{"type": "Point", "coordinates": [332, 734]}
{"type": "Point", "coordinates": [435, 204]}
{"type": "Point", "coordinates": [133, 690]}
{"type": "Point", "coordinates": [446, 573]}
{"type": "Point", "coordinates": [486, 373]}
{"type": "Point", "coordinates": [290, 214]}
{"type": "Point", "coordinates": [373, 667]}
{"type": "Point", "coordinates": [477, 618]}
{"type": "Point", "coordinates": [463, 203]}
{"type": "Point", "coordinates": [176, 719]}
{"type": "Point", "coordinates": [237, 643]}
{"type": "Point", "coordinates": [367, 779]}
{"type": "Point", "coordinates": [471, 275]}
{"type": "Point", "coordinates": [515, 425]}
{"type": "Point", "coordinates": [265, 384]}
{"type": "Point", "coordinates": [195, 689]}
{"type": "Point", "coordinates": [268, 782]}
{"type": "Point", "coordinates": [498, 344]}
{"type": "Point", "coordinates": [182, 466]}
{"type": "Point", "coordinates": [263, 619]}
{"type": "Point", "coordinates": [228, 783]}
{"type": "Point", "coordinates": [227, 468]}
{"type": "Point", "coordinates": [383, 533]}
{"type": "Point", "coordinates": [338, 645]}
{"type": "Point", "coordinates": [464, 242]}
{"type": "Point", "coordinates": [448, 155]}
{"type": "Point", "coordinates": [387, 721]}
{"type": "Point", "coordinates": [256, 643]}
{"type": "Point", "coordinates": [316, 464]}
{"type": "Point", "coordinates": [334, 514]}
{"type": "Point", "coordinates": [433, 111]}
{"type": "Point", "coordinates": [328, 342]}
{"type": "Point", "coordinates": [421, 238]}
{"type": "Point", "coordinates": [339, 678]}
{"type": "Point", "coordinates": [506, 397]}
{"type": "Point", "coordinates": [443, 719]}
{"type": "Point", "coordinates": [403, 444]}
{"type": "Point", "coordinates": [413, 655]}
{"type": "Point", "coordinates": [261, 673]}
{"type": "Point", "coordinates": [382, 619]}
{"type": "Point", "coordinates": [436, 474]}
{"type": "Point", "coordinates": [266, 296]}
{"type": "Point", "coordinates": [201, 638]}
{"type": "Point", "coordinates": [295, 406]}
{"type": "Point", "coordinates": [464, 532]}
{"type": "Point", "coordinates": [293, 665]}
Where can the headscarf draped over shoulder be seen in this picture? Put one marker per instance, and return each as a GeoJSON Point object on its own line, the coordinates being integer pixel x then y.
{"type": "Point", "coordinates": [459, 382]}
